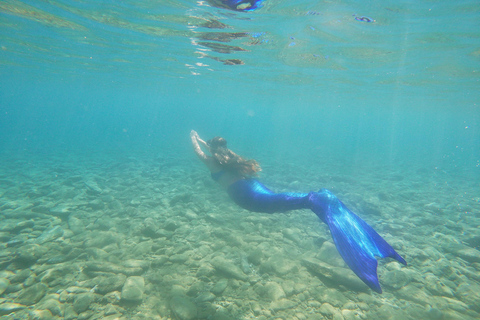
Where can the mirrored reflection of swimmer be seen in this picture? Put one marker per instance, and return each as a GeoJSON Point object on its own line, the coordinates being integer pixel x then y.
{"type": "Point", "coordinates": [237, 5]}
{"type": "Point", "coordinates": [356, 241]}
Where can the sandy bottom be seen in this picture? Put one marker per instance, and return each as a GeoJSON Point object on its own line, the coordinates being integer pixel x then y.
{"type": "Point", "coordinates": [152, 237]}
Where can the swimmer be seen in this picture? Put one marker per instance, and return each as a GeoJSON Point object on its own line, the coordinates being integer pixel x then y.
{"type": "Point", "coordinates": [356, 241]}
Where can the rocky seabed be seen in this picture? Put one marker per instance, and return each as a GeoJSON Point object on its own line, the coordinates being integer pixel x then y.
{"type": "Point", "coordinates": [154, 238]}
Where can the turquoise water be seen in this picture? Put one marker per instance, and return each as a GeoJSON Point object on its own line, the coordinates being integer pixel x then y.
{"type": "Point", "coordinates": [97, 100]}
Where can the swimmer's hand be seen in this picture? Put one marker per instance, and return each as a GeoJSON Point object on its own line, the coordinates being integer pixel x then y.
{"type": "Point", "coordinates": [194, 135]}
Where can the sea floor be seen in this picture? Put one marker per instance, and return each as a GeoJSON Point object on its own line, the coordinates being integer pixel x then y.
{"type": "Point", "coordinates": [110, 236]}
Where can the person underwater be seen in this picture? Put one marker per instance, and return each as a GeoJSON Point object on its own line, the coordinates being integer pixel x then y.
{"type": "Point", "coordinates": [356, 241]}
{"type": "Point", "coordinates": [237, 5]}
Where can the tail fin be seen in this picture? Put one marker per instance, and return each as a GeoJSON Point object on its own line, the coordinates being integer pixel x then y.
{"type": "Point", "coordinates": [356, 241]}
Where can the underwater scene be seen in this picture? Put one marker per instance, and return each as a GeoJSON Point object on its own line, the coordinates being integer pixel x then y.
{"type": "Point", "coordinates": [239, 159]}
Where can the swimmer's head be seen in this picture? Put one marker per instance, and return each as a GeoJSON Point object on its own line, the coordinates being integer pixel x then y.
{"type": "Point", "coordinates": [217, 142]}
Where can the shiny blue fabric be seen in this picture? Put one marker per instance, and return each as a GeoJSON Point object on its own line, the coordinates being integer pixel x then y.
{"type": "Point", "coordinates": [237, 5]}
{"type": "Point", "coordinates": [356, 241]}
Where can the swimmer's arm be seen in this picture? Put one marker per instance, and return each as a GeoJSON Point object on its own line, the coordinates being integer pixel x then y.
{"type": "Point", "coordinates": [196, 147]}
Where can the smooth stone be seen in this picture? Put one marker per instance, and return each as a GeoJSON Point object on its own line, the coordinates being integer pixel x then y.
{"type": "Point", "coordinates": [8, 307]}
{"type": "Point", "coordinates": [49, 235]}
{"type": "Point", "coordinates": [274, 291]}
{"type": "Point", "coordinates": [82, 301]}
{"type": "Point", "coordinates": [279, 265]}
{"type": "Point", "coordinates": [23, 225]}
{"type": "Point", "coordinates": [113, 268]}
{"type": "Point", "coordinates": [469, 293]}
{"type": "Point", "coordinates": [412, 293]}
{"type": "Point", "coordinates": [30, 253]}
{"type": "Point", "coordinates": [76, 225]}
{"type": "Point", "coordinates": [228, 268]}
{"type": "Point", "coordinates": [96, 204]}
{"type": "Point", "coordinates": [133, 289]}
{"type": "Point", "coordinates": [395, 279]}
{"type": "Point", "coordinates": [106, 284]}
{"type": "Point", "coordinates": [70, 314]}
{"type": "Point", "coordinates": [331, 296]}
{"type": "Point", "coordinates": [327, 310]}
{"type": "Point", "coordinates": [206, 297]}
{"type": "Point", "coordinates": [437, 287]}
{"type": "Point", "coordinates": [41, 315]}
{"type": "Point", "coordinates": [183, 308]}
{"type": "Point", "coordinates": [4, 283]}
{"type": "Point", "coordinates": [282, 304]}
{"type": "Point", "coordinates": [20, 276]}
{"type": "Point", "coordinates": [33, 294]}
{"type": "Point", "coordinates": [54, 306]}
{"type": "Point", "coordinates": [219, 287]}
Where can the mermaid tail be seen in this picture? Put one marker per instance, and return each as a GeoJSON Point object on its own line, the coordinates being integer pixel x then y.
{"type": "Point", "coordinates": [356, 241]}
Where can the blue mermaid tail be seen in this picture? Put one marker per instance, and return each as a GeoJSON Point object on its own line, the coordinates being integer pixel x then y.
{"type": "Point", "coordinates": [356, 241]}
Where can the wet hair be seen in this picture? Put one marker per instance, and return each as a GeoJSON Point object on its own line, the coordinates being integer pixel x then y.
{"type": "Point", "coordinates": [231, 161]}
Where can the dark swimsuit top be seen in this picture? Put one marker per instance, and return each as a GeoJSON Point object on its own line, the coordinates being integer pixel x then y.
{"type": "Point", "coordinates": [217, 175]}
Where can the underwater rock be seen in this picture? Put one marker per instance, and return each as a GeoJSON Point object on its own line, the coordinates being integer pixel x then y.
{"type": "Point", "coordinates": [274, 291]}
{"type": "Point", "coordinates": [331, 296]}
{"type": "Point", "coordinates": [8, 307]}
{"type": "Point", "coordinates": [336, 275]}
{"type": "Point", "coordinates": [76, 225]}
{"type": "Point", "coordinates": [219, 287]}
{"type": "Point", "coordinates": [82, 301]}
{"type": "Point", "coordinates": [395, 279]}
{"type": "Point", "coordinates": [33, 294]}
{"type": "Point", "coordinates": [228, 268]}
{"type": "Point", "coordinates": [93, 187]}
{"type": "Point", "coordinates": [469, 293]}
{"type": "Point", "coordinates": [113, 268]}
{"type": "Point", "coordinates": [4, 283]}
{"type": "Point", "coordinates": [183, 308]}
{"type": "Point", "coordinates": [41, 315]}
{"type": "Point", "coordinates": [30, 253]}
{"type": "Point", "coordinates": [101, 239]}
{"type": "Point", "coordinates": [106, 283]}
{"type": "Point", "coordinates": [412, 293]}
{"type": "Point", "coordinates": [53, 305]}
{"type": "Point", "coordinates": [437, 287]}
{"type": "Point", "coordinates": [133, 289]}
{"type": "Point", "coordinates": [282, 304]}
{"type": "Point", "coordinates": [256, 256]}
{"type": "Point", "coordinates": [327, 310]}
{"type": "Point", "coordinates": [69, 313]}
{"type": "Point", "coordinates": [279, 265]}
{"type": "Point", "coordinates": [49, 235]}
{"type": "Point", "coordinates": [113, 297]}
{"type": "Point", "coordinates": [23, 225]}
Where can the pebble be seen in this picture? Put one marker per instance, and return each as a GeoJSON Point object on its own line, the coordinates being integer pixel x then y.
{"type": "Point", "coordinates": [228, 268]}
{"type": "Point", "coordinates": [133, 289]}
{"type": "Point", "coordinates": [183, 308]}
{"type": "Point", "coordinates": [220, 286]}
{"type": "Point", "coordinates": [4, 283]}
{"type": "Point", "coordinates": [76, 225]}
{"type": "Point", "coordinates": [33, 294]}
{"type": "Point", "coordinates": [395, 279]}
{"type": "Point", "coordinates": [8, 307]}
{"type": "Point", "coordinates": [274, 291]}
{"type": "Point", "coordinates": [49, 235]}
{"type": "Point", "coordinates": [82, 301]}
